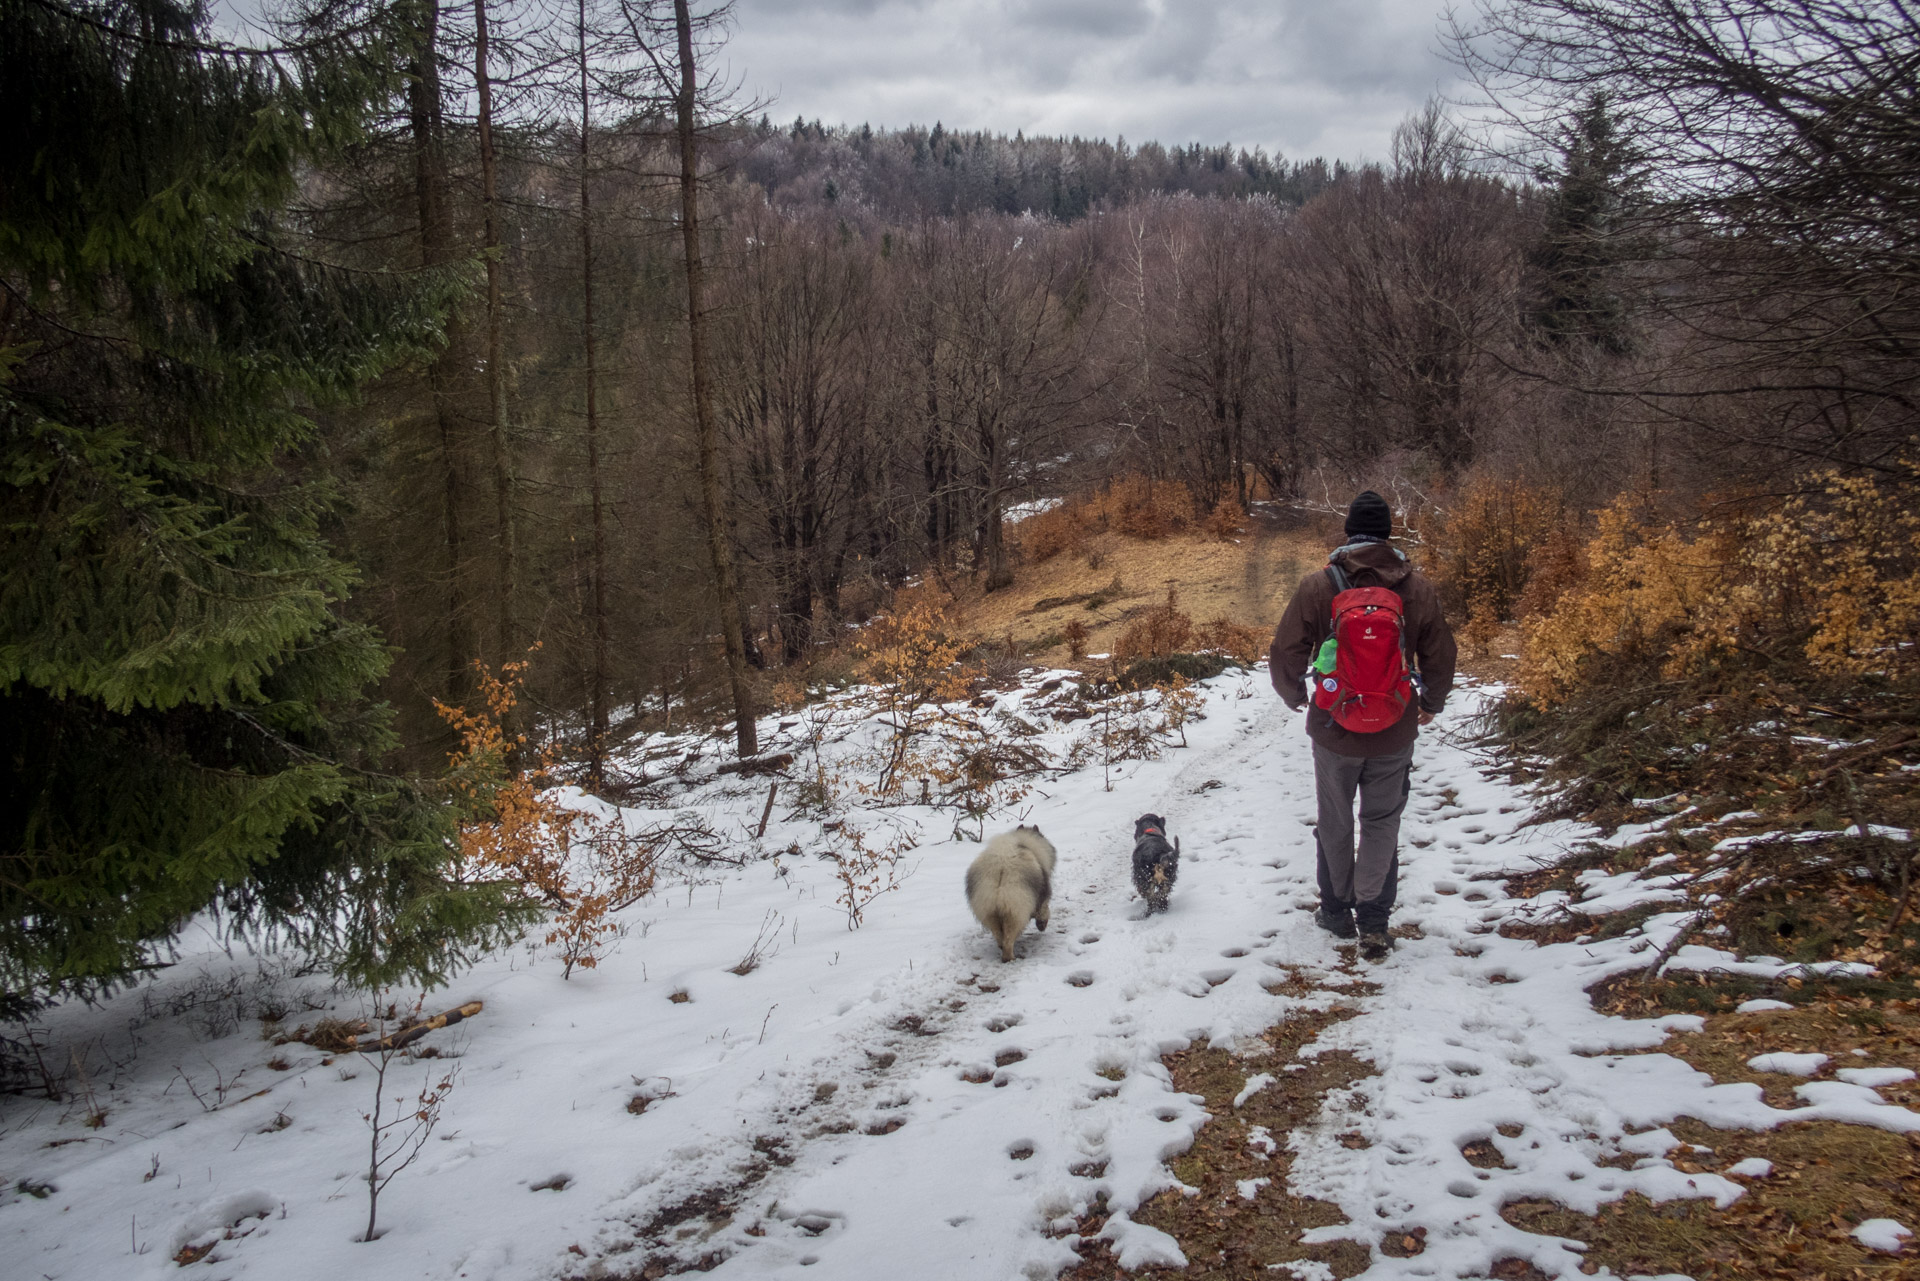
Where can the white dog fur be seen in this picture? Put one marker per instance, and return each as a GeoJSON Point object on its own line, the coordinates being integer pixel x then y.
{"type": "Point", "coordinates": [1011, 882]}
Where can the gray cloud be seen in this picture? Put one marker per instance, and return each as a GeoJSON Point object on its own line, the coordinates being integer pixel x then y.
{"type": "Point", "coordinates": [1301, 77]}
{"type": "Point", "coordinates": [1090, 18]}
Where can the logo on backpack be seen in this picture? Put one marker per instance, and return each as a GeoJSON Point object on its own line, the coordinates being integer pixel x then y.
{"type": "Point", "coordinates": [1369, 686]}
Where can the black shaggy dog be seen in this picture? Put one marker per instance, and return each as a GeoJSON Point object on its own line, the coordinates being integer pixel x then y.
{"type": "Point", "coordinates": [1155, 863]}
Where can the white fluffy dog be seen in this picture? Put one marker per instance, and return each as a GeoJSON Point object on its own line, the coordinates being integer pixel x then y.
{"type": "Point", "coordinates": [1011, 882]}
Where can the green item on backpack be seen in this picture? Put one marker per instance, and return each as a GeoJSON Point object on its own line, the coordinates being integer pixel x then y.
{"type": "Point", "coordinates": [1324, 660]}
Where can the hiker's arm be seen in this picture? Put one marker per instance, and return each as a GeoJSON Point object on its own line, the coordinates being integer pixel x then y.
{"type": "Point", "coordinates": [1294, 641]}
{"type": "Point", "coordinates": [1438, 656]}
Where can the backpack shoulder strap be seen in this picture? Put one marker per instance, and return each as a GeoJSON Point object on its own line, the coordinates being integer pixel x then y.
{"type": "Point", "coordinates": [1339, 578]}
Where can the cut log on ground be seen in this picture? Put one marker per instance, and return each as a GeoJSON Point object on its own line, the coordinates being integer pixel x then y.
{"type": "Point", "coordinates": [407, 1036]}
{"type": "Point", "coordinates": [758, 764]}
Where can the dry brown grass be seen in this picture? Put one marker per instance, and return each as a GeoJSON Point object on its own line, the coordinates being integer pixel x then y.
{"type": "Point", "coordinates": [1827, 1177]}
{"type": "Point", "coordinates": [1247, 581]}
{"type": "Point", "coordinates": [1791, 1226]}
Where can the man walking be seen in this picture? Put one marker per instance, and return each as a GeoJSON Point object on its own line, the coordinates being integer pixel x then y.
{"type": "Point", "coordinates": [1387, 672]}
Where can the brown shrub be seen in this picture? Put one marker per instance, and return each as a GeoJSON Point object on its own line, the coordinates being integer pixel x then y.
{"type": "Point", "coordinates": [1556, 567]}
{"type": "Point", "coordinates": [1052, 532]}
{"type": "Point", "coordinates": [1226, 520]}
{"type": "Point", "coordinates": [1830, 577]}
{"type": "Point", "coordinates": [1481, 628]}
{"type": "Point", "coordinates": [1135, 506]}
{"type": "Point", "coordinates": [1235, 640]}
{"type": "Point", "coordinates": [1075, 634]}
{"type": "Point", "coordinates": [1487, 541]}
{"type": "Point", "coordinates": [1159, 632]}
{"type": "Point", "coordinates": [1143, 508]}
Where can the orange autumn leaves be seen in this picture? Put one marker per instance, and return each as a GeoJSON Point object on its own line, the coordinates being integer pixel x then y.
{"type": "Point", "coordinates": [514, 827]}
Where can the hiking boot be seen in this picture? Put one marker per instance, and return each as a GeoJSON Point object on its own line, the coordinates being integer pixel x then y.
{"type": "Point", "coordinates": [1337, 921]}
{"type": "Point", "coordinates": [1374, 946]}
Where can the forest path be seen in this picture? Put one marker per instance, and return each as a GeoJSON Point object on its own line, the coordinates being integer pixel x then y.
{"type": "Point", "coordinates": [983, 1099]}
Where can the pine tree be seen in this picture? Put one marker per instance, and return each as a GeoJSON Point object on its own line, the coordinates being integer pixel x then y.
{"type": "Point", "coordinates": [183, 719]}
{"type": "Point", "coordinates": [1577, 264]}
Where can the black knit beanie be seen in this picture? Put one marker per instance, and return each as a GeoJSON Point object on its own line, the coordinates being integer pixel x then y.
{"type": "Point", "coordinates": [1370, 517]}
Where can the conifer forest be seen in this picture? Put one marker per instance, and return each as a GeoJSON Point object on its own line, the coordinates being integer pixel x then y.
{"type": "Point", "coordinates": [485, 501]}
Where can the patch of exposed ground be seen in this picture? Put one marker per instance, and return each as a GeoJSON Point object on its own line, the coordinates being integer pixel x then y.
{"type": "Point", "coordinates": [1224, 1232]}
{"type": "Point", "coordinates": [1796, 1221]}
{"type": "Point", "coordinates": [1113, 579]}
{"type": "Point", "coordinates": [1792, 1225]}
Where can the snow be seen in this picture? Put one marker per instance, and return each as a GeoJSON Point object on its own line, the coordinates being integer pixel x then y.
{"type": "Point", "coordinates": [1255, 1083]}
{"type": "Point", "coordinates": [1798, 838]}
{"type": "Point", "coordinates": [1788, 1064]}
{"type": "Point", "coordinates": [1886, 1235]}
{"type": "Point", "coordinates": [1753, 1167]}
{"type": "Point", "coordinates": [1014, 513]}
{"type": "Point", "coordinates": [1760, 1006]}
{"type": "Point", "coordinates": [893, 1100]}
{"type": "Point", "coordinates": [1875, 1078]}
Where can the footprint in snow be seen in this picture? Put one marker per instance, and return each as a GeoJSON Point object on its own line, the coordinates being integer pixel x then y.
{"type": "Point", "coordinates": [1001, 1022]}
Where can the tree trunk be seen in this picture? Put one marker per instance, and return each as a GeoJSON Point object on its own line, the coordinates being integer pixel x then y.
{"type": "Point", "coordinates": [993, 534]}
{"type": "Point", "coordinates": [496, 372]}
{"type": "Point", "coordinates": [436, 236]}
{"type": "Point", "coordinates": [712, 497]}
{"type": "Point", "coordinates": [597, 680]}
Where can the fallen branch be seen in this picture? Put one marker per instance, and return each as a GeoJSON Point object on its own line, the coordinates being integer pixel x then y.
{"type": "Point", "coordinates": [757, 764]}
{"type": "Point", "coordinates": [767, 813]}
{"type": "Point", "coordinates": [407, 1036]}
{"type": "Point", "coordinates": [1867, 752]}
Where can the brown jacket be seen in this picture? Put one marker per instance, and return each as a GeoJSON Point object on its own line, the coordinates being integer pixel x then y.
{"type": "Point", "coordinates": [1309, 618]}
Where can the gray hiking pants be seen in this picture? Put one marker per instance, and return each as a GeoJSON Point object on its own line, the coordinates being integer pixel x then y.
{"type": "Point", "coordinates": [1365, 883]}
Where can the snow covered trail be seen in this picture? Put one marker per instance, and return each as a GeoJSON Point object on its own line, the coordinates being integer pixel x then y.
{"type": "Point", "coordinates": [1011, 1116]}
{"type": "Point", "coordinates": [894, 1101]}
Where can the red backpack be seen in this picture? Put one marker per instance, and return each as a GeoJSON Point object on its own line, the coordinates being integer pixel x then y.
{"type": "Point", "coordinates": [1370, 686]}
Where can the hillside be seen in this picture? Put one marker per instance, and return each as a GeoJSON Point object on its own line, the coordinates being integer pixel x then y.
{"type": "Point", "coordinates": [1114, 579]}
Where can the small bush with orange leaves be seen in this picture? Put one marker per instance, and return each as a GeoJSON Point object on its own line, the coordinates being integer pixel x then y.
{"type": "Point", "coordinates": [515, 829]}
{"type": "Point", "coordinates": [936, 749]}
{"type": "Point", "coordinates": [867, 871]}
{"type": "Point", "coordinates": [1227, 519]}
{"type": "Point", "coordinates": [1076, 634]}
{"type": "Point", "coordinates": [912, 657]}
{"type": "Point", "coordinates": [1243, 644]}
{"type": "Point", "coordinates": [1164, 631]}
{"type": "Point", "coordinates": [1486, 543]}
{"type": "Point", "coordinates": [1160, 632]}
{"type": "Point", "coordinates": [1830, 579]}
{"type": "Point", "coordinates": [1132, 506]}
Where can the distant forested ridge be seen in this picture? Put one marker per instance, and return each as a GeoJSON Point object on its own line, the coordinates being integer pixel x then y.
{"type": "Point", "coordinates": [918, 171]}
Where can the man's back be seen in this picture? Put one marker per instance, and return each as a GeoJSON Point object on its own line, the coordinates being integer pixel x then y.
{"type": "Point", "coordinates": [1309, 619]}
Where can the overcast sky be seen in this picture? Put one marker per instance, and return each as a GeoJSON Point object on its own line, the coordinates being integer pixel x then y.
{"type": "Point", "coordinates": [1301, 77]}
